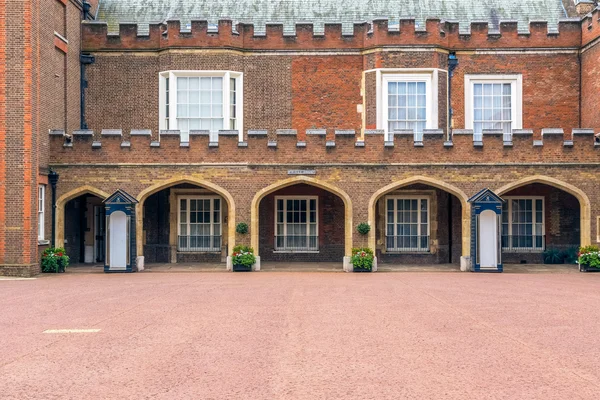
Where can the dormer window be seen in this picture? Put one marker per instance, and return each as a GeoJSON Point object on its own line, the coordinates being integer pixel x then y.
{"type": "Point", "coordinates": [201, 100]}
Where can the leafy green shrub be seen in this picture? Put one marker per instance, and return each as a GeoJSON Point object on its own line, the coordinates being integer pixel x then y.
{"type": "Point", "coordinates": [363, 228]}
{"type": "Point", "coordinates": [53, 258]}
{"type": "Point", "coordinates": [590, 256]}
{"type": "Point", "coordinates": [243, 255]}
{"type": "Point", "coordinates": [362, 258]}
{"type": "Point", "coordinates": [241, 228]}
{"type": "Point", "coordinates": [553, 256]}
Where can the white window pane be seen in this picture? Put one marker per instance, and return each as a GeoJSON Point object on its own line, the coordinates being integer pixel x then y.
{"type": "Point", "coordinates": [402, 101]}
{"type": "Point", "coordinates": [193, 110]}
{"type": "Point", "coordinates": [401, 87]}
{"type": "Point", "coordinates": [477, 127]}
{"type": "Point", "coordinates": [205, 97]}
{"type": "Point", "coordinates": [506, 89]}
{"type": "Point", "coordinates": [194, 97]}
{"type": "Point", "coordinates": [487, 102]}
{"type": "Point", "coordinates": [205, 124]}
{"type": "Point", "coordinates": [497, 114]}
{"type": "Point", "coordinates": [412, 113]}
{"type": "Point", "coordinates": [411, 88]}
{"type": "Point", "coordinates": [205, 111]}
{"type": "Point", "coordinates": [193, 83]}
{"type": "Point", "coordinates": [217, 124]}
{"type": "Point", "coordinates": [183, 125]}
{"type": "Point", "coordinates": [497, 89]}
{"type": "Point", "coordinates": [506, 101]}
{"type": "Point", "coordinates": [393, 113]}
{"type": "Point", "coordinates": [392, 87]}
{"type": "Point", "coordinates": [181, 83]}
{"type": "Point", "coordinates": [402, 114]}
{"type": "Point", "coordinates": [421, 100]}
{"type": "Point", "coordinates": [487, 115]}
{"type": "Point", "coordinates": [497, 101]}
{"type": "Point", "coordinates": [421, 88]}
{"type": "Point", "coordinates": [392, 101]}
{"type": "Point", "coordinates": [182, 96]}
{"type": "Point", "coordinates": [478, 89]}
{"type": "Point", "coordinates": [421, 113]}
{"type": "Point", "coordinates": [217, 83]}
{"type": "Point", "coordinates": [487, 89]}
{"type": "Point", "coordinates": [182, 110]}
{"type": "Point", "coordinates": [194, 124]}
{"type": "Point", "coordinates": [205, 83]}
{"type": "Point", "coordinates": [478, 102]}
{"type": "Point", "coordinates": [478, 114]}
{"type": "Point", "coordinates": [217, 110]}
{"type": "Point", "coordinates": [412, 101]}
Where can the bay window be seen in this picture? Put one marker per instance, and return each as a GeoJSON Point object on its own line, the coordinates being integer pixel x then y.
{"type": "Point", "coordinates": [201, 100]}
{"type": "Point", "coordinates": [199, 223]}
{"type": "Point", "coordinates": [296, 224]}
{"type": "Point", "coordinates": [407, 100]}
{"type": "Point", "coordinates": [523, 224]}
{"type": "Point", "coordinates": [407, 224]}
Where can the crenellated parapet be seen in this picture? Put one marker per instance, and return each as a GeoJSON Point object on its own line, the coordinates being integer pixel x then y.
{"type": "Point", "coordinates": [590, 27]}
{"type": "Point", "coordinates": [365, 35]}
{"type": "Point", "coordinates": [287, 146]}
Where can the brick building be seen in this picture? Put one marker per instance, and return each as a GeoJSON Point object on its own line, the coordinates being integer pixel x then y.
{"type": "Point", "coordinates": [301, 120]}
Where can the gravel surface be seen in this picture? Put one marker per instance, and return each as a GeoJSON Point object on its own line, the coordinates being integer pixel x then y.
{"type": "Point", "coordinates": [305, 335]}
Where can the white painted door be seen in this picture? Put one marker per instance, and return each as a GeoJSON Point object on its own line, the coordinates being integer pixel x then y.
{"type": "Point", "coordinates": [118, 240]}
{"type": "Point", "coordinates": [488, 240]}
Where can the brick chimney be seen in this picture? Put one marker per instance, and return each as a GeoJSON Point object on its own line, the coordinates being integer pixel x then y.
{"type": "Point", "coordinates": [584, 7]}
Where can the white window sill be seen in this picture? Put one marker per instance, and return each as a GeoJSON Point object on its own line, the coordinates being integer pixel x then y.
{"type": "Point", "coordinates": [43, 242]}
{"type": "Point", "coordinates": [523, 250]}
{"type": "Point", "coordinates": [408, 252]}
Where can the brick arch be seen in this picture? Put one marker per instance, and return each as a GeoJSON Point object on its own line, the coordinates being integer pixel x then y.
{"type": "Point", "coordinates": [144, 194]}
{"type": "Point", "coordinates": [62, 201]}
{"type": "Point", "coordinates": [254, 233]}
{"type": "Point", "coordinates": [584, 201]}
{"type": "Point", "coordinates": [465, 206]}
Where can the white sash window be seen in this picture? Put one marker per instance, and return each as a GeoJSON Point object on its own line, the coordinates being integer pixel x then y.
{"type": "Point", "coordinates": [199, 223]}
{"type": "Point", "coordinates": [296, 224]}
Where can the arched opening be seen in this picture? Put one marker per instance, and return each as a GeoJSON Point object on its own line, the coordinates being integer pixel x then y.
{"type": "Point", "coordinates": [301, 220]}
{"type": "Point", "coordinates": [185, 221]}
{"type": "Point", "coordinates": [543, 221]}
{"type": "Point", "coordinates": [418, 223]}
{"type": "Point", "coordinates": [82, 227]}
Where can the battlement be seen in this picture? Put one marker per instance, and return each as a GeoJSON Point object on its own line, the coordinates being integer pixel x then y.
{"type": "Point", "coordinates": [242, 36]}
{"type": "Point", "coordinates": [319, 146]}
{"type": "Point", "coordinates": [590, 27]}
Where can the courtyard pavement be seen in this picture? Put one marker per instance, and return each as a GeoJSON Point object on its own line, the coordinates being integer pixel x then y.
{"type": "Point", "coordinates": [300, 335]}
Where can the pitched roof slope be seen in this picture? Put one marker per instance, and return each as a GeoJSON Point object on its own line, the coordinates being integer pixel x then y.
{"type": "Point", "coordinates": [319, 12]}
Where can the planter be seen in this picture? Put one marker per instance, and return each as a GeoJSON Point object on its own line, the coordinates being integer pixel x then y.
{"type": "Point", "coordinates": [242, 268]}
{"type": "Point", "coordinates": [587, 268]}
{"type": "Point", "coordinates": [359, 269]}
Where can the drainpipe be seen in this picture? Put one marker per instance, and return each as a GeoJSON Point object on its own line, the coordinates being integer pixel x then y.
{"type": "Point", "coordinates": [84, 59]}
{"type": "Point", "coordinates": [53, 179]}
{"type": "Point", "coordinates": [452, 64]}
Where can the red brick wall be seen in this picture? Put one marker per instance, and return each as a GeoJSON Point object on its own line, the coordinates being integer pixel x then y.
{"type": "Point", "coordinates": [325, 92]}
{"type": "Point", "coordinates": [550, 86]}
{"type": "Point", "coordinates": [590, 88]}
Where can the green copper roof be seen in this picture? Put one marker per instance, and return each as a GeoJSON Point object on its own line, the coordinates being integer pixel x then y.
{"type": "Point", "coordinates": [319, 12]}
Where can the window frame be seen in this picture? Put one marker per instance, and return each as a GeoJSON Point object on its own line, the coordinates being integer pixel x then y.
{"type": "Point", "coordinates": [409, 197]}
{"type": "Point", "coordinates": [172, 101]}
{"type": "Point", "coordinates": [516, 81]}
{"type": "Point", "coordinates": [307, 198]}
{"type": "Point", "coordinates": [533, 199]}
{"type": "Point", "coordinates": [386, 75]}
{"type": "Point", "coordinates": [212, 198]}
{"type": "Point", "coordinates": [41, 212]}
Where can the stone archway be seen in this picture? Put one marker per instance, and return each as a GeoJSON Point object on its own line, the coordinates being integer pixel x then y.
{"type": "Point", "coordinates": [60, 208]}
{"type": "Point", "coordinates": [584, 201]}
{"type": "Point", "coordinates": [465, 206]}
{"type": "Point", "coordinates": [254, 220]}
{"type": "Point", "coordinates": [144, 194]}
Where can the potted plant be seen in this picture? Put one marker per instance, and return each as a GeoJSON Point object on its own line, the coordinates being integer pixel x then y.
{"type": "Point", "coordinates": [362, 259]}
{"type": "Point", "coordinates": [589, 259]}
{"type": "Point", "coordinates": [243, 258]}
{"type": "Point", "coordinates": [54, 259]}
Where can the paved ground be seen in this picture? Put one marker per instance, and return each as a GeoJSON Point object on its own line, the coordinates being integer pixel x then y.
{"type": "Point", "coordinates": [309, 335]}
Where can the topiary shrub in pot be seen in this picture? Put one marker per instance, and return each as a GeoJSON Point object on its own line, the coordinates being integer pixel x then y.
{"type": "Point", "coordinates": [54, 259]}
{"type": "Point", "coordinates": [243, 258]}
{"type": "Point", "coordinates": [241, 228]}
{"type": "Point", "coordinates": [362, 259]}
{"type": "Point", "coordinates": [589, 259]}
